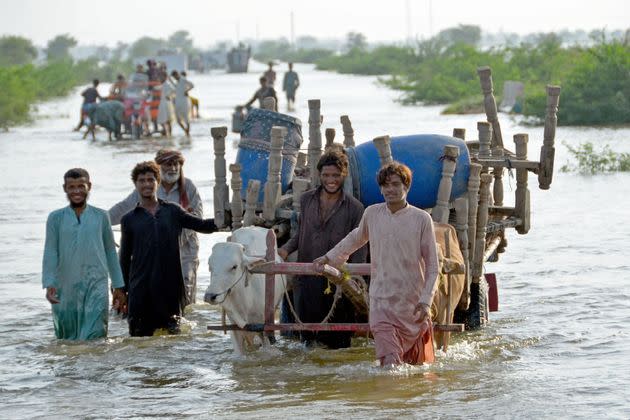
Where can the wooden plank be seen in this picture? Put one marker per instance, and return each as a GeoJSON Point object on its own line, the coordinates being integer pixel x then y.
{"type": "Point", "coordinates": [307, 269]}
{"type": "Point", "coordinates": [270, 279]}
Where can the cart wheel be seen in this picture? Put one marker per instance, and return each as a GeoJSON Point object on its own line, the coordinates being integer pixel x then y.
{"type": "Point", "coordinates": [476, 316]}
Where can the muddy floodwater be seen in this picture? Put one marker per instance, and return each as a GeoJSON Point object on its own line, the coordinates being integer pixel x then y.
{"type": "Point", "coordinates": [559, 347]}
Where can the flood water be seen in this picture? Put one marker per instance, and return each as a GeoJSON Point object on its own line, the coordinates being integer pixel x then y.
{"type": "Point", "coordinates": [559, 347]}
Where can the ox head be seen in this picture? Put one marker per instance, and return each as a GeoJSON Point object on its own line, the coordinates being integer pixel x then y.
{"type": "Point", "coordinates": [228, 266]}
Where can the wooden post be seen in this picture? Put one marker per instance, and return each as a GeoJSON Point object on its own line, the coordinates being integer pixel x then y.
{"type": "Point", "coordinates": [273, 187]}
{"type": "Point", "coordinates": [547, 151]}
{"type": "Point", "coordinates": [485, 139]}
{"type": "Point", "coordinates": [461, 214]}
{"type": "Point", "coordinates": [237, 201]}
{"type": "Point", "coordinates": [270, 280]}
{"type": "Point", "coordinates": [314, 139]}
{"type": "Point", "coordinates": [269, 104]}
{"type": "Point", "coordinates": [482, 221]}
{"type": "Point", "coordinates": [301, 160]}
{"type": "Point", "coordinates": [384, 150]}
{"type": "Point", "coordinates": [441, 210]}
{"type": "Point", "coordinates": [474, 181]}
{"type": "Point", "coordinates": [330, 137]}
{"type": "Point", "coordinates": [490, 105]}
{"type": "Point", "coordinates": [459, 133]}
{"type": "Point", "coordinates": [348, 131]}
{"type": "Point", "coordinates": [497, 171]}
{"type": "Point", "coordinates": [221, 192]}
{"type": "Point", "coordinates": [299, 186]}
{"type": "Point", "coordinates": [521, 200]}
{"type": "Point", "coordinates": [251, 202]}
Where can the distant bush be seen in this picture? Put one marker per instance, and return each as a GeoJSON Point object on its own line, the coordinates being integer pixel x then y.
{"type": "Point", "coordinates": [23, 86]}
{"type": "Point", "coordinates": [595, 81]}
{"type": "Point", "coordinates": [591, 161]}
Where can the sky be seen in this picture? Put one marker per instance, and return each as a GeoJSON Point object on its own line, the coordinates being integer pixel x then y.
{"type": "Point", "coordinates": [209, 21]}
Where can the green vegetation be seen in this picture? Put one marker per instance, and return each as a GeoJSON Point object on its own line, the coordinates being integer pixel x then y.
{"type": "Point", "coordinates": [591, 161]}
{"type": "Point", "coordinates": [595, 80]}
{"type": "Point", "coordinates": [23, 86]}
{"type": "Point", "coordinates": [16, 51]}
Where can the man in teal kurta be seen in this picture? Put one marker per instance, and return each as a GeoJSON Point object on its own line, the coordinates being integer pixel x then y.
{"type": "Point", "coordinates": [79, 255]}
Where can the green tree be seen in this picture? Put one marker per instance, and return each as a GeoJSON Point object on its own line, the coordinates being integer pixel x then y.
{"type": "Point", "coordinates": [146, 47]}
{"type": "Point", "coordinates": [16, 51]}
{"type": "Point", "coordinates": [58, 48]}
{"type": "Point", "coordinates": [462, 34]}
{"type": "Point", "coordinates": [180, 41]}
{"type": "Point", "coordinates": [356, 41]}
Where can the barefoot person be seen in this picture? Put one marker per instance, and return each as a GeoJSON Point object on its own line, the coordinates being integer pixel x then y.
{"type": "Point", "coordinates": [150, 256]}
{"type": "Point", "coordinates": [404, 270]}
{"type": "Point", "coordinates": [79, 255]}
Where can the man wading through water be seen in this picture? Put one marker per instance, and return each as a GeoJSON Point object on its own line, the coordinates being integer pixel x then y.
{"type": "Point", "coordinates": [78, 257]}
{"type": "Point", "coordinates": [149, 255]}
{"type": "Point", "coordinates": [176, 188]}
{"type": "Point", "coordinates": [404, 269]}
{"type": "Point", "coordinates": [327, 215]}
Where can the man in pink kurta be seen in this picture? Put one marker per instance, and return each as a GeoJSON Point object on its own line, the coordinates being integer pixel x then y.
{"type": "Point", "coordinates": [404, 268]}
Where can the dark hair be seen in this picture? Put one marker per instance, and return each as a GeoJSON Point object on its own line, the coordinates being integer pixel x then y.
{"type": "Point", "coordinates": [334, 158]}
{"type": "Point", "coordinates": [145, 167]}
{"type": "Point", "coordinates": [174, 73]}
{"type": "Point", "coordinates": [183, 73]}
{"type": "Point", "coordinates": [394, 168]}
{"type": "Point", "coordinates": [95, 82]}
{"type": "Point", "coordinates": [262, 79]}
{"type": "Point", "coordinates": [76, 173]}
{"type": "Point", "coordinates": [120, 77]}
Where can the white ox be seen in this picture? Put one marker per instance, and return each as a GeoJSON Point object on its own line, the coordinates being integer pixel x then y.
{"type": "Point", "coordinates": [238, 291]}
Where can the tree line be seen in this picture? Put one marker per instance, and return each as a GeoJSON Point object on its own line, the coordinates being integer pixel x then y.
{"type": "Point", "coordinates": [593, 70]}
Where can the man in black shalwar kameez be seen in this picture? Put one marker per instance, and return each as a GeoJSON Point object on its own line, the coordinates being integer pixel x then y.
{"type": "Point", "coordinates": [149, 255]}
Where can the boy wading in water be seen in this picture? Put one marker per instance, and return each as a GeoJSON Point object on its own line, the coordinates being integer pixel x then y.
{"type": "Point", "coordinates": [404, 269]}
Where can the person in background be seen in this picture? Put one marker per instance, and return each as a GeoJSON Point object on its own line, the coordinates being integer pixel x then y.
{"type": "Point", "coordinates": [290, 83]}
{"type": "Point", "coordinates": [263, 92]}
{"type": "Point", "coordinates": [90, 96]}
{"type": "Point", "coordinates": [194, 104]}
{"type": "Point", "coordinates": [270, 75]}
{"type": "Point", "coordinates": [182, 87]}
{"type": "Point", "coordinates": [327, 216]}
{"type": "Point", "coordinates": [165, 109]}
{"type": "Point", "coordinates": [404, 269]}
{"type": "Point", "coordinates": [79, 256]}
{"type": "Point", "coordinates": [117, 90]}
{"type": "Point", "coordinates": [176, 188]}
{"type": "Point", "coordinates": [150, 257]}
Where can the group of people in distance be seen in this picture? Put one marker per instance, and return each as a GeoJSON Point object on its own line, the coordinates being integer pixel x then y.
{"type": "Point", "coordinates": [154, 275]}
{"type": "Point", "coordinates": [143, 86]}
{"type": "Point", "coordinates": [290, 84]}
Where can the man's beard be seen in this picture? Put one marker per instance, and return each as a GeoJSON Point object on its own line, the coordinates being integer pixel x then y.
{"type": "Point", "coordinates": [168, 178]}
{"type": "Point", "coordinates": [78, 205]}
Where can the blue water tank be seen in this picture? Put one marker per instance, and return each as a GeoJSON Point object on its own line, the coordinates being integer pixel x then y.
{"type": "Point", "coordinates": [422, 153]}
{"type": "Point", "coordinates": [255, 144]}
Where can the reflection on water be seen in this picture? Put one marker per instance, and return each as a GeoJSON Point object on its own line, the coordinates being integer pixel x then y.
{"type": "Point", "coordinates": [557, 348]}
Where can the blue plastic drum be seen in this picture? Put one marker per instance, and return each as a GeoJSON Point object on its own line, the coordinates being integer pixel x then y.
{"type": "Point", "coordinates": [423, 154]}
{"type": "Point", "coordinates": [255, 144]}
